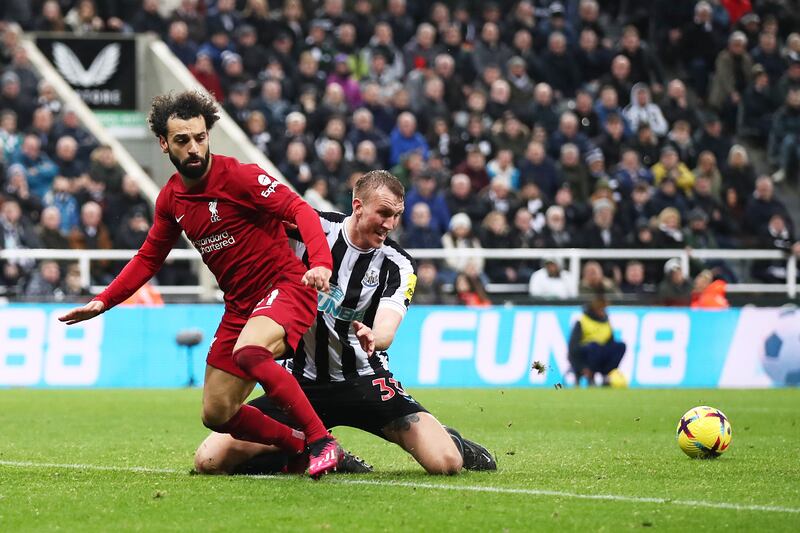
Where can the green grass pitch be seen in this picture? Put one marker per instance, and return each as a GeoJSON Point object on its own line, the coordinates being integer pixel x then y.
{"type": "Point", "coordinates": [599, 460]}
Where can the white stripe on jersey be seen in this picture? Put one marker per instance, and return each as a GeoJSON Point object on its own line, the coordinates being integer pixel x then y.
{"type": "Point", "coordinates": [362, 281]}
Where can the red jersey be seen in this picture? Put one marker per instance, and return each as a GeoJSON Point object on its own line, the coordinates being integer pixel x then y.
{"type": "Point", "coordinates": [234, 219]}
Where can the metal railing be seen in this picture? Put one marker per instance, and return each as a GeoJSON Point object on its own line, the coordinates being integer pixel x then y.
{"type": "Point", "coordinates": [573, 256]}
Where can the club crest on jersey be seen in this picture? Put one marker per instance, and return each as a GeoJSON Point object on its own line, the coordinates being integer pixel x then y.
{"type": "Point", "coordinates": [370, 278]}
{"type": "Point", "coordinates": [212, 208]}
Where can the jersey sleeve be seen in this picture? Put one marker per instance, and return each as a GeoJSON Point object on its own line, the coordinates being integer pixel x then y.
{"type": "Point", "coordinates": [401, 279]}
{"type": "Point", "coordinates": [148, 260]}
{"type": "Point", "coordinates": [262, 192]}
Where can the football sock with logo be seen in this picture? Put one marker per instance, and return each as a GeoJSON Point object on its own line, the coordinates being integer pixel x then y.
{"type": "Point", "coordinates": [252, 425]}
{"type": "Point", "coordinates": [282, 388]}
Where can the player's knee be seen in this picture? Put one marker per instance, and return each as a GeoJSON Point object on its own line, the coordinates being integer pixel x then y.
{"type": "Point", "coordinates": [447, 463]}
{"type": "Point", "coordinates": [206, 465]}
{"type": "Point", "coordinates": [216, 416]}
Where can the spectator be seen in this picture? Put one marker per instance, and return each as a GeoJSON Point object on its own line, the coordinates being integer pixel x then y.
{"type": "Point", "coordinates": [180, 44]}
{"type": "Point", "coordinates": [758, 106]}
{"type": "Point", "coordinates": [784, 141]}
{"type": "Point", "coordinates": [461, 199]}
{"type": "Point", "coordinates": [125, 204]}
{"type": "Point", "coordinates": [700, 44]}
{"type": "Point", "coordinates": [573, 173]}
{"type": "Point", "coordinates": [602, 232]}
{"type": "Point", "coordinates": [540, 169]}
{"type": "Point", "coordinates": [675, 289]}
{"type": "Point", "coordinates": [45, 282]}
{"type": "Point", "coordinates": [13, 99]}
{"type": "Point", "coordinates": [555, 233]}
{"type": "Point", "coordinates": [647, 145]}
{"type": "Point", "coordinates": [630, 173]}
{"type": "Point", "coordinates": [670, 166]}
{"type": "Point", "coordinates": [460, 237]}
{"type": "Point", "coordinates": [105, 169]}
{"type": "Point", "coordinates": [205, 73]}
{"type": "Point", "coordinates": [429, 289]}
{"type": "Point", "coordinates": [645, 67]}
{"type": "Point", "coordinates": [588, 118]}
{"type": "Point", "coordinates": [149, 20]}
{"type": "Point", "coordinates": [318, 195]}
{"type": "Point", "coordinates": [707, 168]}
{"type": "Point", "coordinates": [51, 19]}
{"type": "Point", "coordinates": [66, 158]}
{"type": "Point", "coordinates": [776, 234]}
{"type": "Point", "coordinates": [551, 282]}
{"type": "Point", "coordinates": [762, 206]}
{"type": "Point", "coordinates": [680, 138]}
{"type": "Point", "coordinates": [698, 235]}
{"type": "Point", "coordinates": [49, 230]}
{"type": "Point", "coordinates": [39, 168]}
{"type": "Point", "coordinates": [710, 138]}
{"type": "Point", "coordinates": [593, 58]}
{"type": "Point", "coordinates": [470, 290]}
{"type": "Point", "coordinates": [424, 190]}
{"type": "Point", "coordinates": [420, 232]}
{"type": "Point", "coordinates": [709, 293]}
{"type": "Point", "coordinates": [364, 130]}
{"type": "Point", "coordinates": [295, 166]}
{"type": "Point", "coordinates": [70, 126]}
{"type": "Point", "coordinates": [16, 188]}
{"type": "Point", "coordinates": [9, 138]}
{"type": "Point", "coordinates": [513, 136]}
{"type": "Point", "coordinates": [670, 232]}
{"type": "Point", "coordinates": [331, 164]}
{"type": "Point", "coordinates": [611, 141]}
{"type": "Point", "coordinates": [592, 347]}
{"type": "Point", "coordinates": [732, 73]}
{"type": "Point", "coordinates": [739, 173]}
{"type": "Point", "coordinates": [489, 49]}
{"type": "Point", "coordinates": [83, 18]}
{"type": "Point", "coordinates": [560, 67]}
{"type": "Point", "coordinates": [92, 234]}
{"type": "Point", "coordinates": [42, 127]}
{"type": "Point", "coordinates": [503, 167]}
{"type": "Point", "coordinates": [60, 197]}
{"type": "Point", "coordinates": [405, 138]}
{"type": "Point", "coordinates": [568, 132]}
{"type": "Point", "coordinates": [474, 167]}
{"type": "Point", "coordinates": [495, 232]}
{"type": "Point", "coordinates": [419, 52]}
{"type": "Point", "coordinates": [620, 78]}
{"type": "Point", "coordinates": [676, 105]}
{"type": "Point", "coordinates": [634, 282]}
{"type": "Point", "coordinates": [593, 280]}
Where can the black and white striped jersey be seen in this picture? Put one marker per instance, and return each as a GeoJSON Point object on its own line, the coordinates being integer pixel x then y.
{"type": "Point", "coordinates": [362, 281]}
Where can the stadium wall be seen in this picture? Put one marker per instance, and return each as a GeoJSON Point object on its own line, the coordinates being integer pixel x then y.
{"type": "Point", "coordinates": [436, 346]}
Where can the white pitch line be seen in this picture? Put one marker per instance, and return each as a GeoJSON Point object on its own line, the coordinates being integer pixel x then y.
{"type": "Point", "coordinates": [438, 486]}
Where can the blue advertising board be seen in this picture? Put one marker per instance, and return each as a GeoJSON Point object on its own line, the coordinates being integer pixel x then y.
{"type": "Point", "coordinates": [435, 347]}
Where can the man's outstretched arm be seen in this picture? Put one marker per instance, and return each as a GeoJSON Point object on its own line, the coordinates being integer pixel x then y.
{"type": "Point", "coordinates": [160, 240]}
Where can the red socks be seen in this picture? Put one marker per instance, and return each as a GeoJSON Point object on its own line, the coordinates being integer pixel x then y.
{"type": "Point", "coordinates": [252, 425]}
{"type": "Point", "coordinates": [281, 387]}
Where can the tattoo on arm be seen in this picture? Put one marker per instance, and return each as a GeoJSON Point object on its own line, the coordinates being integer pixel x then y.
{"type": "Point", "coordinates": [403, 423]}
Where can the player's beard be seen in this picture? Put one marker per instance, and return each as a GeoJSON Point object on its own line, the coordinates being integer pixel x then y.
{"type": "Point", "coordinates": [189, 172]}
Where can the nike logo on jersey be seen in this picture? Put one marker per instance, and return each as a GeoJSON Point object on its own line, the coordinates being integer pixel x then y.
{"type": "Point", "coordinates": [178, 219]}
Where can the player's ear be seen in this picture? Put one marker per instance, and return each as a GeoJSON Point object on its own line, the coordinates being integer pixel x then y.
{"type": "Point", "coordinates": [162, 141]}
{"type": "Point", "coordinates": [357, 205]}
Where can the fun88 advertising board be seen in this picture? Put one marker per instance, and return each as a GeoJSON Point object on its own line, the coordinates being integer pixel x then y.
{"type": "Point", "coordinates": [435, 347]}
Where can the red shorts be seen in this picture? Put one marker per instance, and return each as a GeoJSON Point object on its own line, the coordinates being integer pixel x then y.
{"type": "Point", "coordinates": [290, 304]}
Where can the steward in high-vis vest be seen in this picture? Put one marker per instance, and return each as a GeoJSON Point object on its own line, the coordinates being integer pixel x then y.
{"type": "Point", "coordinates": [592, 347]}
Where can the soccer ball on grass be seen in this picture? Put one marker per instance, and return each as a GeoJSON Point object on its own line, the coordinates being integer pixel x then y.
{"type": "Point", "coordinates": [704, 432]}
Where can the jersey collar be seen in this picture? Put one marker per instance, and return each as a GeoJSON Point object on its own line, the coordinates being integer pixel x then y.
{"type": "Point", "coordinates": [345, 225]}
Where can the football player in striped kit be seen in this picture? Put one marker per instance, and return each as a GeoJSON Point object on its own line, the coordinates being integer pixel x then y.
{"type": "Point", "coordinates": [342, 364]}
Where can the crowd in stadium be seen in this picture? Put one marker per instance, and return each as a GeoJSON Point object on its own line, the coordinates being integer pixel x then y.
{"type": "Point", "coordinates": [513, 124]}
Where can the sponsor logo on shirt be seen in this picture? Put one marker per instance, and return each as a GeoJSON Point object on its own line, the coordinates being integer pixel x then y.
{"type": "Point", "coordinates": [214, 242]}
{"type": "Point", "coordinates": [212, 208]}
{"type": "Point", "coordinates": [270, 185]}
{"type": "Point", "coordinates": [330, 303]}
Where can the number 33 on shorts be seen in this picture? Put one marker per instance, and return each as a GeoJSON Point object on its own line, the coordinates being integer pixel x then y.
{"type": "Point", "coordinates": [388, 387]}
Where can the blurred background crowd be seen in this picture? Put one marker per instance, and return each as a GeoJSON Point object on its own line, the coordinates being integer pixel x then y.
{"type": "Point", "coordinates": [660, 124]}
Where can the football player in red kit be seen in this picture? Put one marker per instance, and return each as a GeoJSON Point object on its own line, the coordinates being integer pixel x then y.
{"type": "Point", "coordinates": [233, 213]}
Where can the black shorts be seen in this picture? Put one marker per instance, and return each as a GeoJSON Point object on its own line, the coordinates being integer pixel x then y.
{"type": "Point", "coordinates": [368, 403]}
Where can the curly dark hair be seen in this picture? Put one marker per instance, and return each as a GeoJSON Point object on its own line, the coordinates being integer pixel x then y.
{"type": "Point", "coordinates": [183, 105]}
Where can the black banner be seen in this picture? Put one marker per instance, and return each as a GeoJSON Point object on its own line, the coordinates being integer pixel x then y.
{"type": "Point", "coordinates": [102, 71]}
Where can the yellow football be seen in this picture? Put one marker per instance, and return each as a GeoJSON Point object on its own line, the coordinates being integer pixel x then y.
{"type": "Point", "coordinates": [704, 432]}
